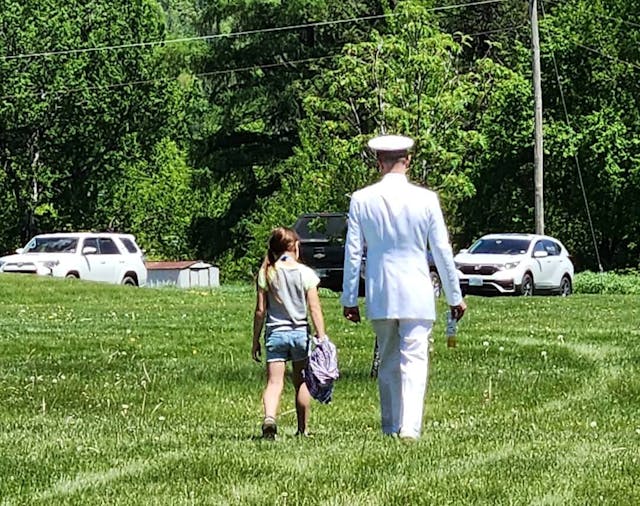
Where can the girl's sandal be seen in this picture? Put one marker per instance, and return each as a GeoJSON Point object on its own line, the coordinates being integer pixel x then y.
{"type": "Point", "coordinates": [269, 428]}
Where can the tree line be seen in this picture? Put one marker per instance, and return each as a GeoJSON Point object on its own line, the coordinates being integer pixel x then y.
{"type": "Point", "coordinates": [199, 126]}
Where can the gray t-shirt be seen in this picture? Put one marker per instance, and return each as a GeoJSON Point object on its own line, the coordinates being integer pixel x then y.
{"type": "Point", "coordinates": [287, 296]}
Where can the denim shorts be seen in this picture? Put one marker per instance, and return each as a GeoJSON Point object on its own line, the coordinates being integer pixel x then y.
{"type": "Point", "coordinates": [283, 345]}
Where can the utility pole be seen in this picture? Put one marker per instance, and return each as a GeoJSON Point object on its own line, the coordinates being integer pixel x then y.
{"type": "Point", "coordinates": [537, 94]}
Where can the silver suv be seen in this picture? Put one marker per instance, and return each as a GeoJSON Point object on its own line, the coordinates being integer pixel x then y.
{"type": "Point", "coordinates": [521, 264]}
{"type": "Point", "coordinates": [106, 257]}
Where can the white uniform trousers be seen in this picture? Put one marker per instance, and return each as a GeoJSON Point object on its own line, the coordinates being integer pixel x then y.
{"type": "Point", "coordinates": [403, 373]}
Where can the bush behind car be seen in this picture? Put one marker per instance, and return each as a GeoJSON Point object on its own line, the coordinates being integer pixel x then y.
{"type": "Point", "coordinates": [607, 283]}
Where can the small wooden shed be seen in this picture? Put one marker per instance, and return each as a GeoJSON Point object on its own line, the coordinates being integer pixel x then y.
{"type": "Point", "coordinates": [184, 274]}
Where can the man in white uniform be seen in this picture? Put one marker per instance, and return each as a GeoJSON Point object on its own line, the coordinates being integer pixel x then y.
{"type": "Point", "coordinates": [396, 220]}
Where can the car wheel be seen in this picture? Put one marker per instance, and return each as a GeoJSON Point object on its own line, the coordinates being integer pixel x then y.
{"type": "Point", "coordinates": [526, 287]}
{"type": "Point", "coordinates": [72, 275]}
{"type": "Point", "coordinates": [436, 283]}
{"type": "Point", "coordinates": [565, 286]}
{"type": "Point", "coordinates": [129, 281]}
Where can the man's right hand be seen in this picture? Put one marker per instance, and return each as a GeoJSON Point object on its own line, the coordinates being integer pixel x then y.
{"type": "Point", "coordinates": [352, 314]}
{"type": "Point", "coordinates": [457, 312]}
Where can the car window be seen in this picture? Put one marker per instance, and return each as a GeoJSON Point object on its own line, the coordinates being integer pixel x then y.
{"type": "Point", "coordinates": [52, 245]}
{"type": "Point", "coordinates": [500, 246]}
{"type": "Point", "coordinates": [551, 248]}
{"type": "Point", "coordinates": [91, 242]}
{"type": "Point", "coordinates": [108, 246]}
{"type": "Point", "coordinates": [539, 247]}
{"type": "Point", "coordinates": [329, 228]}
{"type": "Point", "coordinates": [129, 244]}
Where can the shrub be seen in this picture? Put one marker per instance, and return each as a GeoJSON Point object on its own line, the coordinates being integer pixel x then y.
{"type": "Point", "coordinates": [607, 283]}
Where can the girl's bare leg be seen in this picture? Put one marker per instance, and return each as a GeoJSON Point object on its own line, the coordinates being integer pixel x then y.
{"type": "Point", "coordinates": [273, 390]}
{"type": "Point", "coordinates": [303, 398]}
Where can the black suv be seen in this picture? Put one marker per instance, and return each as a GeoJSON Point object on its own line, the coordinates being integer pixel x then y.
{"type": "Point", "coordinates": [322, 237]}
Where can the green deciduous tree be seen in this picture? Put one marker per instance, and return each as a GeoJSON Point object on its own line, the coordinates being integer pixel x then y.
{"type": "Point", "coordinates": [408, 81]}
{"type": "Point", "coordinates": [156, 199]}
{"type": "Point", "coordinates": [596, 53]}
{"type": "Point", "coordinates": [73, 123]}
{"type": "Point", "coordinates": [255, 83]}
{"type": "Point", "coordinates": [255, 125]}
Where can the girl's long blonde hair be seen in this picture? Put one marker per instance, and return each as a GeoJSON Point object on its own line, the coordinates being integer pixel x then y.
{"type": "Point", "coordinates": [282, 239]}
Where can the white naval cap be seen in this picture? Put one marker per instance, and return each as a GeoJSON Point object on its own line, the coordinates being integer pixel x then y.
{"type": "Point", "coordinates": [391, 143]}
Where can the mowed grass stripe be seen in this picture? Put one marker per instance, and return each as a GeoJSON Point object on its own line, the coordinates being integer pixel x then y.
{"type": "Point", "coordinates": [138, 396]}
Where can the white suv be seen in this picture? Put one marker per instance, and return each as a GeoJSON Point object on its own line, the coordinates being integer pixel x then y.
{"type": "Point", "coordinates": [112, 258]}
{"type": "Point", "coordinates": [517, 264]}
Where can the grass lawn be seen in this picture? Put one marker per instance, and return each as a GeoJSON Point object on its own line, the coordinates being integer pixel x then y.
{"type": "Point", "coordinates": [113, 395]}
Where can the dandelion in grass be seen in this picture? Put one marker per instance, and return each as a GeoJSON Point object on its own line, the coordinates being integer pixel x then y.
{"type": "Point", "coordinates": [593, 424]}
{"type": "Point", "coordinates": [485, 343]}
{"type": "Point", "coordinates": [501, 348]}
{"type": "Point", "coordinates": [543, 353]}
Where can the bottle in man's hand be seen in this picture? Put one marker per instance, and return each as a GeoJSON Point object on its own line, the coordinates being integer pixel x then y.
{"type": "Point", "coordinates": [451, 330]}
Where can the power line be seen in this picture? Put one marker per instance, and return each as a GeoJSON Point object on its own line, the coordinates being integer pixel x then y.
{"type": "Point", "coordinates": [602, 16]}
{"type": "Point", "coordinates": [67, 91]}
{"type": "Point", "coordinates": [596, 51]}
{"type": "Point", "coordinates": [619, 20]}
{"type": "Point", "coordinates": [490, 32]}
{"type": "Point", "coordinates": [234, 34]}
{"type": "Point", "coordinates": [575, 155]}
{"type": "Point", "coordinates": [467, 4]}
{"type": "Point", "coordinates": [191, 39]}
{"type": "Point", "coordinates": [613, 58]}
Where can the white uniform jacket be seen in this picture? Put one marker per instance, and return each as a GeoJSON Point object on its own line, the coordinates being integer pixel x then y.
{"type": "Point", "coordinates": [395, 220]}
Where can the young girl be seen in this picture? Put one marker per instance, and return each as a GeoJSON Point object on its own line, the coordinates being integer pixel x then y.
{"type": "Point", "coordinates": [286, 290]}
